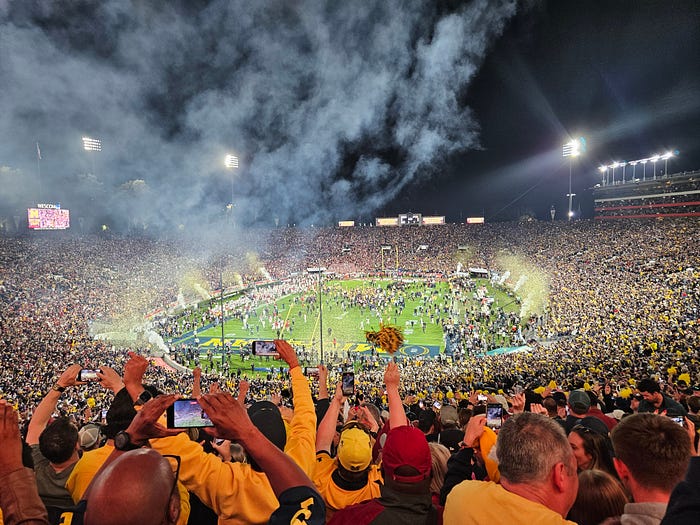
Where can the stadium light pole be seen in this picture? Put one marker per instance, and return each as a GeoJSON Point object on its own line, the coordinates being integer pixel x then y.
{"type": "Point", "coordinates": [634, 169]}
{"type": "Point", "coordinates": [571, 149]}
{"type": "Point", "coordinates": [231, 162]}
{"type": "Point", "coordinates": [614, 166]}
{"type": "Point", "coordinates": [94, 145]}
{"type": "Point", "coordinates": [655, 159]}
{"type": "Point", "coordinates": [319, 272]}
{"type": "Point", "coordinates": [644, 172]}
{"type": "Point", "coordinates": [667, 156]}
{"type": "Point", "coordinates": [221, 302]}
{"type": "Point", "coordinates": [604, 173]}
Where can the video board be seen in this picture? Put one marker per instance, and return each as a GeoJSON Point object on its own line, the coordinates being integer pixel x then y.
{"type": "Point", "coordinates": [48, 217]}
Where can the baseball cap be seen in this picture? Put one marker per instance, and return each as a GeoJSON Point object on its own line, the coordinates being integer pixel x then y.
{"type": "Point", "coordinates": [594, 424]}
{"type": "Point", "coordinates": [89, 435]}
{"type": "Point", "coordinates": [267, 418]}
{"type": "Point", "coordinates": [448, 415]}
{"type": "Point", "coordinates": [579, 401]}
{"type": "Point", "coordinates": [406, 446]}
{"type": "Point", "coordinates": [354, 449]}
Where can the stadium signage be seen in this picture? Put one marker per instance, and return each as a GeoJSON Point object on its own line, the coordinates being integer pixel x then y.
{"type": "Point", "coordinates": [49, 206]}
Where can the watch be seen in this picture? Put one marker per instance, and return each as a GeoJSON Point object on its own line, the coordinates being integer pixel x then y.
{"type": "Point", "coordinates": [144, 397]}
{"type": "Point", "coordinates": [122, 441]}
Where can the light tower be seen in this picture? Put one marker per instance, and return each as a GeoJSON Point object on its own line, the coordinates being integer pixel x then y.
{"type": "Point", "coordinates": [572, 149]}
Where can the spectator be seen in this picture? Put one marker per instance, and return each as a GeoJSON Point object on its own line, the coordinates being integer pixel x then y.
{"type": "Point", "coordinates": [19, 498]}
{"type": "Point", "coordinates": [89, 437]}
{"type": "Point", "coordinates": [538, 478]}
{"type": "Point", "coordinates": [579, 403]}
{"type": "Point", "coordinates": [440, 455]}
{"type": "Point", "coordinates": [600, 496]}
{"type": "Point", "coordinates": [240, 492]}
{"type": "Point", "coordinates": [405, 495]}
{"type": "Point", "coordinates": [651, 456]}
{"type": "Point", "coordinates": [684, 504]}
{"type": "Point", "coordinates": [349, 478]}
{"type": "Point", "coordinates": [592, 449]}
{"type": "Point", "coordinates": [54, 447]}
{"type": "Point", "coordinates": [657, 402]}
{"type": "Point", "coordinates": [450, 435]}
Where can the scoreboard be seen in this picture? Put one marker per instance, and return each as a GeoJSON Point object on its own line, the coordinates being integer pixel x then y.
{"type": "Point", "coordinates": [48, 217]}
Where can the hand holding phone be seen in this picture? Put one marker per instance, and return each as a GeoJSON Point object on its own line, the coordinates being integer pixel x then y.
{"type": "Point", "coordinates": [87, 374]}
{"type": "Point", "coordinates": [187, 413]}
{"type": "Point", "coordinates": [265, 348]}
{"type": "Point", "coordinates": [348, 382]}
{"type": "Point", "coordinates": [494, 415]}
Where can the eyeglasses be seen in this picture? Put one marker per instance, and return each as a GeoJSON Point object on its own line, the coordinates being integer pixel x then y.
{"type": "Point", "coordinates": [581, 428]}
{"type": "Point", "coordinates": [174, 462]}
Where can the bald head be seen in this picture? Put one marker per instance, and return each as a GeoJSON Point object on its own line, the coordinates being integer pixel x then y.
{"type": "Point", "coordinates": [135, 488]}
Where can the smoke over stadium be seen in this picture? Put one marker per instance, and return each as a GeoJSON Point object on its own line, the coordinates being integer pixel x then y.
{"type": "Point", "coordinates": [331, 109]}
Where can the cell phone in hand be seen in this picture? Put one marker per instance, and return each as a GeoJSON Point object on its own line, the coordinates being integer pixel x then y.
{"type": "Point", "coordinates": [494, 415]}
{"type": "Point", "coordinates": [348, 382]}
{"type": "Point", "coordinates": [87, 374]}
{"type": "Point", "coordinates": [311, 371]}
{"type": "Point", "coordinates": [265, 348]}
{"type": "Point", "coordinates": [187, 413]}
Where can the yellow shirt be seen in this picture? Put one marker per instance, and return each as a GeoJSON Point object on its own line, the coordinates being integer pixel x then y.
{"type": "Point", "coordinates": [337, 498]}
{"type": "Point", "coordinates": [234, 491]}
{"type": "Point", "coordinates": [486, 503]}
{"type": "Point", "coordinates": [85, 469]}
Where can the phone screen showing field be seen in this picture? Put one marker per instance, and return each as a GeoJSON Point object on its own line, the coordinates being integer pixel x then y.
{"type": "Point", "coordinates": [188, 414]}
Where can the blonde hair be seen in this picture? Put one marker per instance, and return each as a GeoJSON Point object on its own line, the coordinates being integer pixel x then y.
{"type": "Point", "coordinates": [440, 454]}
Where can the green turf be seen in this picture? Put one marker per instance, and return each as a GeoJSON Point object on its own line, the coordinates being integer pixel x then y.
{"type": "Point", "coordinates": [347, 326]}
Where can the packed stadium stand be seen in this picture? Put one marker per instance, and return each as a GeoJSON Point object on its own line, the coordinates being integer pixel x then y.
{"type": "Point", "coordinates": [677, 195]}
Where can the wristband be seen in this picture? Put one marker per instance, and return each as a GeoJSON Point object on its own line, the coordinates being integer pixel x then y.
{"type": "Point", "coordinates": [58, 388]}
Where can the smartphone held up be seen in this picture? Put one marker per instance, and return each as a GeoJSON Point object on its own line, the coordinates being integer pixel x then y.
{"type": "Point", "coordinates": [87, 374]}
{"type": "Point", "coordinates": [348, 383]}
{"type": "Point", "coordinates": [265, 348]}
{"type": "Point", "coordinates": [494, 415]}
{"type": "Point", "coordinates": [187, 413]}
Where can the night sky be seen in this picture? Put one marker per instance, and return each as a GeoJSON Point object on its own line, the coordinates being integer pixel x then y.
{"type": "Point", "coordinates": [337, 110]}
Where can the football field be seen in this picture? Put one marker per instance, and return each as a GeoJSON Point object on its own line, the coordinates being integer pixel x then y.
{"type": "Point", "coordinates": [416, 309]}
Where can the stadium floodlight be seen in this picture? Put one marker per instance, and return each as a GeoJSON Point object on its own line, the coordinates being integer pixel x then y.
{"type": "Point", "coordinates": [94, 145]}
{"type": "Point", "coordinates": [90, 144]}
{"type": "Point", "coordinates": [624, 165]}
{"type": "Point", "coordinates": [572, 149]}
{"type": "Point", "coordinates": [231, 162]}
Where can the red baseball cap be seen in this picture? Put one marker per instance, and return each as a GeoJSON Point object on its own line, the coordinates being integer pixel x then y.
{"type": "Point", "coordinates": [406, 446]}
